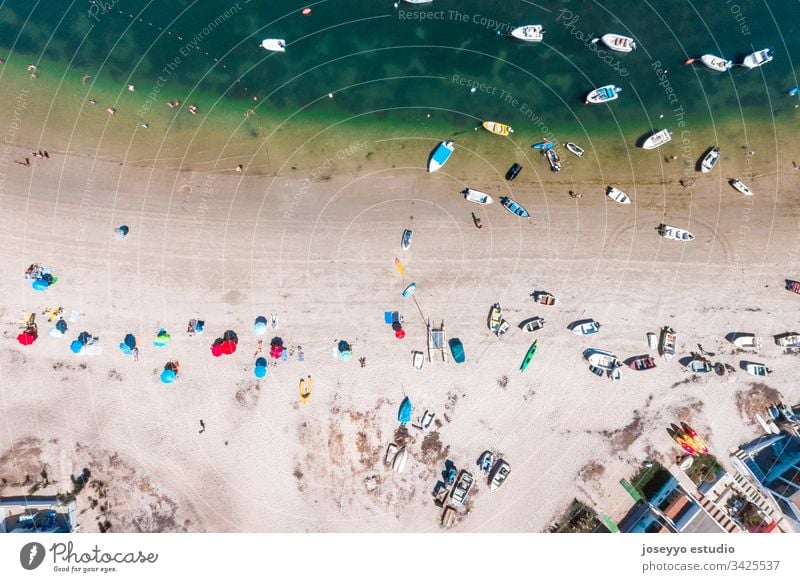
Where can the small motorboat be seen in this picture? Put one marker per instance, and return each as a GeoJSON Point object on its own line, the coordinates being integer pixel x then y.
{"type": "Point", "coordinates": [276, 45]}
{"type": "Point", "coordinates": [496, 323]}
{"type": "Point", "coordinates": [757, 59]}
{"type": "Point", "coordinates": [793, 92]}
{"type": "Point", "coordinates": [476, 196]}
{"type": "Point", "coordinates": [405, 242]}
{"type": "Point", "coordinates": [667, 343]}
{"type": "Point", "coordinates": [710, 160]}
{"type": "Point", "coordinates": [618, 195]}
{"type": "Point", "coordinates": [543, 145]}
{"type": "Point", "coordinates": [391, 453]}
{"type": "Point", "coordinates": [737, 184]}
{"type": "Point", "coordinates": [603, 94]}
{"type": "Point", "coordinates": [408, 291]}
{"type": "Point", "coordinates": [513, 172]}
{"type": "Point", "coordinates": [497, 128]}
{"type": "Point", "coordinates": [418, 360]}
{"type": "Point", "coordinates": [642, 363]}
{"type": "Point", "coordinates": [675, 233]}
{"type": "Point", "coordinates": [499, 474]}
{"type": "Point", "coordinates": [713, 62]}
{"type": "Point", "coordinates": [757, 369]}
{"type": "Point", "coordinates": [544, 298]}
{"type": "Point", "coordinates": [658, 139]}
{"type": "Point", "coordinates": [602, 359]}
{"type": "Point", "coordinates": [528, 33]}
{"type": "Point", "coordinates": [513, 207]}
{"type": "Point", "coordinates": [440, 156]}
{"type": "Point", "coordinates": [747, 341]}
{"type": "Point", "coordinates": [789, 340]}
{"type": "Point", "coordinates": [553, 159]}
{"type": "Point", "coordinates": [400, 461]}
{"type": "Point", "coordinates": [533, 324]}
{"type": "Point", "coordinates": [461, 489]}
{"type": "Point", "coordinates": [585, 327]}
{"type": "Point", "coordinates": [700, 366]}
{"type": "Point", "coordinates": [617, 42]}
{"type": "Point", "coordinates": [574, 149]}
{"type": "Point", "coordinates": [486, 461]}
{"type": "Point", "coordinates": [529, 355]}
{"type": "Point", "coordinates": [599, 372]}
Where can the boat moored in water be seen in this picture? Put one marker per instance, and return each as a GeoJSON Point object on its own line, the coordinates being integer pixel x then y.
{"type": "Point", "coordinates": [657, 139]}
{"type": "Point", "coordinates": [603, 94]}
{"type": "Point", "coordinates": [617, 42]}
{"type": "Point", "coordinates": [528, 33]}
{"type": "Point", "coordinates": [440, 156]}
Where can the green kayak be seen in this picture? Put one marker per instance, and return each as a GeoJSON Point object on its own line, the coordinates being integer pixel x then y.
{"type": "Point", "coordinates": [529, 355]}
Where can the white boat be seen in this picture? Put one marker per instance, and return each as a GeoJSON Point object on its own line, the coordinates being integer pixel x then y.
{"type": "Point", "coordinates": [533, 324]}
{"type": "Point", "coordinates": [617, 42]}
{"type": "Point", "coordinates": [440, 156]}
{"type": "Point", "coordinates": [739, 185]}
{"type": "Point", "coordinates": [553, 159]}
{"type": "Point", "coordinates": [603, 360]}
{"type": "Point", "coordinates": [391, 453]}
{"type": "Point", "coordinates": [405, 242]}
{"type": "Point", "coordinates": [277, 45]}
{"type": "Point", "coordinates": [747, 341]}
{"type": "Point", "coordinates": [716, 63]}
{"type": "Point", "coordinates": [529, 33]}
{"type": "Point", "coordinates": [574, 148]}
{"type": "Point", "coordinates": [710, 160]}
{"type": "Point", "coordinates": [675, 233]}
{"type": "Point", "coordinates": [585, 327]}
{"type": "Point", "coordinates": [499, 474]}
{"type": "Point", "coordinates": [700, 366]}
{"type": "Point", "coordinates": [461, 489]}
{"type": "Point", "coordinates": [659, 138]}
{"type": "Point", "coordinates": [757, 59]}
{"type": "Point", "coordinates": [668, 343]}
{"type": "Point", "coordinates": [757, 369]}
{"type": "Point", "coordinates": [418, 360]}
{"type": "Point", "coordinates": [476, 196]}
{"type": "Point", "coordinates": [400, 461]}
{"type": "Point", "coordinates": [789, 340]}
{"type": "Point", "coordinates": [603, 94]}
{"type": "Point", "coordinates": [618, 195]}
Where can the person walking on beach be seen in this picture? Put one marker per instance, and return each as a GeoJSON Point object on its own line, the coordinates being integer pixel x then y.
{"type": "Point", "coordinates": [135, 354]}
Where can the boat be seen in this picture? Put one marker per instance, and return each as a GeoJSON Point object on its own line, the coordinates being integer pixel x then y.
{"type": "Point", "coordinates": [533, 324]}
{"type": "Point", "coordinates": [440, 156]}
{"type": "Point", "coordinates": [617, 42]}
{"type": "Point", "coordinates": [400, 461]}
{"type": "Point", "coordinates": [666, 347]}
{"type": "Point", "coordinates": [398, 264]}
{"type": "Point", "coordinates": [757, 58]}
{"type": "Point", "coordinates": [405, 242]}
{"type": "Point", "coordinates": [793, 286]}
{"type": "Point", "coordinates": [596, 371]}
{"type": "Point", "coordinates": [757, 369]}
{"type": "Point", "coordinates": [496, 323]}
{"type": "Point", "coordinates": [499, 474]}
{"type": "Point", "coordinates": [497, 128]}
{"type": "Point", "coordinates": [642, 363]}
{"type": "Point", "coordinates": [602, 359]}
{"type": "Point", "coordinates": [544, 298]}
{"type": "Point", "coordinates": [789, 340]}
{"type": "Point", "coordinates": [618, 195]}
{"type": "Point", "coordinates": [747, 341]}
{"type": "Point", "coordinates": [554, 159]}
{"type": "Point", "coordinates": [306, 385]}
{"type": "Point", "coordinates": [457, 349]}
{"type": "Point", "coordinates": [675, 233]}
{"type": "Point", "coordinates": [486, 461]}
{"type": "Point", "coordinates": [391, 453]}
{"type": "Point", "coordinates": [418, 1]}
{"type": "Point", "coordinates": [739, 185]}
{"type": "Point", "coordinates": [585, 327]}
{"type": "Point", "coordinates": [700, 366]}
{"type": "Point", "coordinates": [513, 172]}
{"type": "Point", "coordinates": [476, 196]}
{"type": "Point", "coordinates": [529, 355]}
{"type": "Point", "coordinates": [513, 207]}
{"type": "Point", "coordinates": [427, 420]}
{"type": "Point", "coordinates": [710, 160]}
{"type": "Point", "coordinates": [409, 290]}
{"type": "Point", "coordinates": [793, 92]}
{"type": "Point", "coordinates": [713, 62]}
{"type": "Point", "coordinates": [448, 517]}
{"type": "Point", "coordinates": [603, 94]}
{"type": "Point", "coordinates": [528, 33]}
{"type": "Point", "coordinates": [658, 139]}
{"type": "Point", "coordinates": [695, 439]}
{"type": "Point", "coordinates": [418, 360]}
{"type": "Point", "coordinates": [574, 149]}
{"type": "Point", "coordinates": [543, 145]}
{"type": "Point", "coordinates": [461, 488]}
{"type": "Point", "coordinates": [276, 45]}
{"type": "Point", "coordinates": [679, 438]}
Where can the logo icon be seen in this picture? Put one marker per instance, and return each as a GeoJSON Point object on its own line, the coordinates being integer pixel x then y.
{"type": "Point", "coordinates": [31, 555]}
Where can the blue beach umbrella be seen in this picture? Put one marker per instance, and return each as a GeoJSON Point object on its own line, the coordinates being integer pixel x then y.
{"type": "Point", "coordinates": [76, 346]}
{"type": "Point", "coordinates": [163, 338]}
{"type": "Point", "coordinates": [260, 371]}
{"type": "Point", "coordinates": [168, 376]}
{"type": "Point", "coordinates": [404, 414]}
{"type": "Point", "coordinates": [126, 349]}
{"type": "Point", "coordinates": [40, 284]}
{"type": "Point", "coordinates": [261, 362]}
{"type": "Point", "coordinates": [130, 341]}
{"type": "Point", "coordinates": [346, 355]}
{"type": "Point", "coordinates": [61, 326]}
{"type": "Point", "coordinates": [260, 325]}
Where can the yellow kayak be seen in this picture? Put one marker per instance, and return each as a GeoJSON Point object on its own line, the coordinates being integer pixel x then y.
{"type": "Point", "coordinates": [496, 127]}
{"type": "Point", "coordinates": [305, 389]}
{"type": "Point", "coordinates": [399, 266]}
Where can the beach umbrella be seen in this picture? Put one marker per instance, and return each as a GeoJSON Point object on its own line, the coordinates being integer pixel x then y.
{"type": "Point", "coordinates": [126, 349]}
{"type": "Point", "coordinates": [61, 326]}
{"type": "Point", "coordinates": [404, 414]}
{"type": "Point", "coordinates": [343, 346]}
{"type": "Point", "coordinates": [163, 338]}
{"type": "Point", "coordinates": [216, 349]}
{"type": "Point", "coordinates": [260, 325]}
{"type": "Point", "coordinates": [76, 346]}
{"type": "Point", "coordinates": [121, 232]}
{"type": "Point", "coordinates": [400, 333]}
{"type": "Point", "coordinates": [227, 347]}
{"type": "Point", "coordinates": [84, 337]}
{"type": "Point", "coordinates": [40, 284]}
{"type": "Point", "coordinates": [261, 362]}
{"type": "Point", "coordinates": [275, 352]}
{"type": "Point", "coordinates": [346, 355]}
{"type": "Point", "coordinates": [168, 376]}
{"type": "Point", "coordinates": [27, 337]}
{"type": "Point", "coordinates": [260, 371]}
{"type": "Point", "coordinates": [231, 336]}
{"type": "Point", "coordinates": [130, 341]}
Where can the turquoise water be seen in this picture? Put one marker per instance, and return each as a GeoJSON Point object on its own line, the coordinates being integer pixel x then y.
{"type": "Point", "coordinates": [403, 63]}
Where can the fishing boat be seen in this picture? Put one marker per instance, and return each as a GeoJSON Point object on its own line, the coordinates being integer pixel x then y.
{"type": "Point", "coordinates": [788, 340]}
{"type": "Point", "coordinates": [700, 366]}
{"type": "Point", "coordinates": [405, 242]}
{"type": "Point", "coordinates": [618, 195]}
{"type": "Point", "coordinates": [658, 139]}
{"type": "Point", "coordinates": [757, 58]}
{"type": "Point", "coordinates": [544, 298]}
{"type": "Point", "coordinates": [529, 355]}
{"type": "Point", "coordinates": [617, 42]}
{"type": "Point", "coordinates": [602, 359]}
{"type": "Point", "coordinates": [418, 360]}
{"type": "Point", "coordinates": [408, 291]}
{"type": "Point", "coordinates": [697, 442]}
{"type": "Point", "coordinates": [603, 94]}
{"type": "Point", "coordinates": [713, 62]}
{"type": "Point", "coordinates": [306, 385]}
{"type": "Point", "coordinates": [476, 196]}
{"type": "Point", "coordinates": [710, 160]}
{"type": "Point", "coordinates": [276, 45]}
{"type": "Point", "coordinates": [499, 474]}
{"type": "Point", "coordinates": [675, 233]}
{"type": "Point", "coordinates": [642, 363]}
{"type": "Point", "coordinates": [400, 461]}
{"type": "Point", "coordinates": [513, 207]}
{"type": "Point", "coordinates": [497, 128]}
{"type": "Point", "coordinates": [574, 149]}
{"type": "Point", "coordinates": [440, 156]}
{"type": "Point", "coordinates": [666, 346]}
{"type": "Point", "coordinates": [528, 33]}
{"type": "Point", "coordinates": [747, 341]}
{"type": "Point", "coordinates": [740, 186]}
{"type": "Point", "coordinates": [533, 324]}
{"type": "Point", "coordinates": [462, 488]}
{"type": "Point", "coordinates": [553, 159]}
{"type": "Point", "coordinates": [757, 369]}
{"type": "Point", "coordinates": [585, 327]}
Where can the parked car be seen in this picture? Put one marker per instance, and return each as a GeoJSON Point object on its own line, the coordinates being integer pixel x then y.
{"type": "Point", "coordinates": [513, 171]}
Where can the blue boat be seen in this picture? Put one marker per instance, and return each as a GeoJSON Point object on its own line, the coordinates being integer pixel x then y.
{"type": "Point", "coordinates": [543, 145]}
{"type": "Point", "coordinates": [440, 156]}
{"type": "Point", "coordinates": [794, 91]}
{"type": "Point", "coordinates": [513, 207]}
{"type": "Point", "coordinates": [404, 414]}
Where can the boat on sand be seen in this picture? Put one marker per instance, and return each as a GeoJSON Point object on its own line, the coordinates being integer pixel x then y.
{"type": "Point", "coordinates": [617, 195]}
{"type": "Point", "coordinates": [737, 184]}
{"type": "Point", "coordinates": [574, 149]}
{"type": "Point", "coordinates": [747, 341]}
{"type": "Point", "coordinates": [666, 346]}
{"type": "Point", "coordinates": [499, 474]}
{"type": "Point", "coordinates": [602, 359]}
{"type": "Point", "coordinates": [585, 327]}
{"type": "Point", "coordinates": [675, 233]}
{"type": "Point", "coordinates": [405, 242]}
{"type": "Point", "coordinates": [533, 324]}
{"type": "Point", "coordinates": [476, 196]}
{"type": "Point", "coordinates": [756, 369]}
{"type": "Point", "coordinates": [496, 323]}
{"type": "Point", "coordinates": [642, 363]}
{"type": "Point", "coordinates": [513, 207]}
{"type": "Point", "coordinates": [529, 355]}
{"type": "Point", "coordinates": [544, 298]}
{"type": "Point", "coordinates": [462, 488]}
{"type": "Point", "coordinates": [553, 159]}
{"type": "Point", "coordinates": [710, 160]}
{"type": "Point", "coordinates": [440, 156]}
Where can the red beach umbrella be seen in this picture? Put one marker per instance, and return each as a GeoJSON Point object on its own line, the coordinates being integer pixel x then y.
{"type": "Point", "coordinates": [228, 347]}
{"type": "Point", "coordinates": [400, 333]}
{"type": "Point", "coordinates": [216, 350]}
{"type": "Point", "coordinates": [275, 352]}
{"type": "Point", "coordinates": [27, 337]}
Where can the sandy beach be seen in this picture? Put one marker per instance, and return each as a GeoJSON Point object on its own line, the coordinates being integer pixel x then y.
{"type": "Point", "coordinates": [316, 246]}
